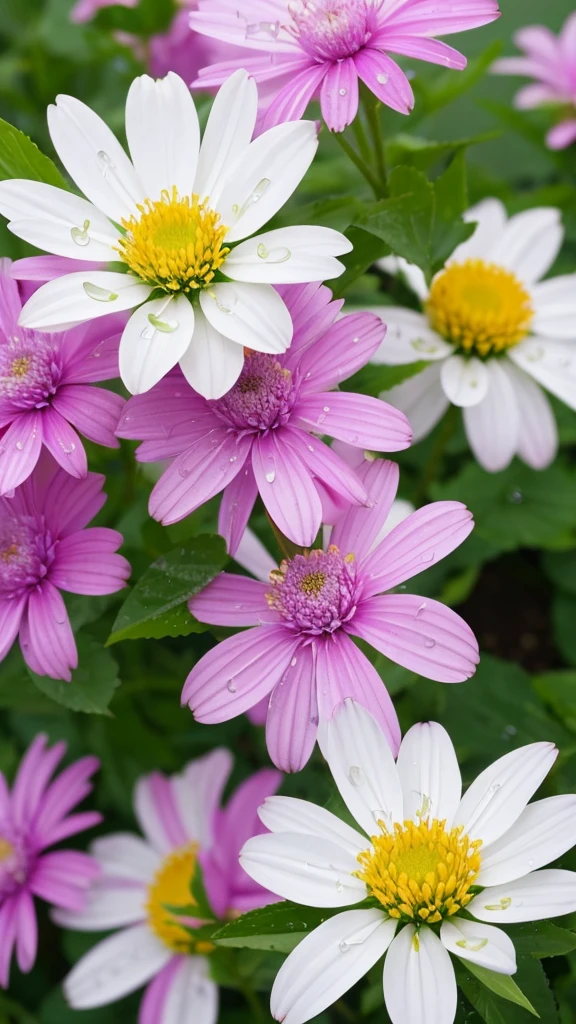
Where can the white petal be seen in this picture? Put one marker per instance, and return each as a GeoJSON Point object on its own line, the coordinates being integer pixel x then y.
{"type": "Point", "coordinates": [306, 869]}
{"type": "Point", "coordinates": [555, 305]}
{"type": "Point", "coordinates": [57, 221]}
{"type": "Point", "coordinates": [414, 277]}
{"type": "Point", "coordinates": [409, 338]}
{"type": "Point", "coordinates": [154, 339]}
{"type": "Point", "coordinates": [363, 766]}
{"type": "Point", "coordinates": [419, 982]}
{"type": "Point", "coordinates": [264, 176]}
{"type": "Point", "coordinates": [492, 425]}
{"type": "Point", "coordinates": [496, 799]}
{"type": "Point", "coordinates": [530, 243]}
{"type": "Point", "coordinates": [120, 964]}
{"type": "Point", "coordinates": [94, 158]}
{"type": "Point", "coordinates": [421, 399]}
{"type": "Point", "coordinates": [328, 962]}
{"type": "Point", "coordinates": [287, 814]}
{"type": "Point", "coordinates": [192, 994]}
{"type": "Point", "coordinates": [551, 363]}
{"type": "Point", "coordinates": [482, 944]}
{"type": "Point", "coordinates": [163, 133]}
{"type": "Point", "coordinates": [84, 295]}
{"type": "Point", "coordinates": [537, 431]}
{"type": "Point", "coordinates": [490, 217]}
{"type": "Point", "coordinates": [212, 363]}
{"type": "Point", "coordinates": [108, 905]}
{"type": "Point", "coordinates": [544, 831]}
{"type": "Point", "coordinates": [429, 774]}
{"type": "Point", "coordinates": [123, 855]}
{"type": "Point", "coordinates": [289, 255]}
{"type": "Point", "coordinates": [228, 133]}
{"type": "Point", "coordinates": [542, 894]}
{"type": "Point", "coordinates": [465, 380]}
{"type": "Point", "coordinates": [253, 315]}
{"type": "Point", "coordinates": [198, 790]}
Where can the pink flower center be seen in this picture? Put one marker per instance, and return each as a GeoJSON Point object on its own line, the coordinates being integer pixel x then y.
{"type": "Point", "coordinates": [315, 592]}
{"type": "Point", "coordinates": [14, 863]}
{"type": "Point", "coordinates": [26, 553]}
{"type": "Point", "coordinates": [30, 370]}
{"type": "Point", "coordinates": [261, 399]}
{"type": "Point", "coordinates": [333, 29]}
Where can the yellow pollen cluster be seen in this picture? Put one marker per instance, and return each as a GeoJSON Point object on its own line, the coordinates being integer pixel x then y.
{"type": "Point", "coordinates": [6, 849]}
{"type": "Point", "coordinates": [421, 872]}
{"type": "Point", "coordinates": [480, 307]}
{"type": "Point", "coordinates": [171, 887]}
{"type": "Point", "coordinates": [20, 367]}
{"type": "Point", "coordinates": [312, 583]}
{"type": "Point", "coordinates": [176, 244]}
{"type": "Point", "coordinates": [5, 556]}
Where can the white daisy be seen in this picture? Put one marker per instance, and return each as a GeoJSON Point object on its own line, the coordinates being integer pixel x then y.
{"type": "Point", "coordinates": [173, 217]}
{"type": "Point", "coordinates": [493, 331]}
{"type": "Point", "coordinates": [433, 854]}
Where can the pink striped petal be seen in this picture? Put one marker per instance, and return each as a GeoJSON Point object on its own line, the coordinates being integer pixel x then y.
{"type": "Point", "coordinates": [94, 356]}
{"type": "Point", "coordinates": [10, 301]}
{"type": "Point", "coordinates": [8, 925]}
{"type": "Point", "coordinates": [46, 268]}
{"type": "Point", "coordinates": [239, 821]}
{"type": "Point", "coordinates": [324, 464]}
{"type": "Point", "coordinates": [26, 932]}
{"type": "Point", "coordinates": [87, 563]}
{"type": "Point", "coordinates": [339, 94]}
{"type": "Point", "coordinates": [69, 789]}
{"type": "Point", "coordinates": [342, 350]}
{"type": "Point", "coordinates": [358, 420]}
{"type": "Point", "coordinates": [63, 443]}
{"type": "Point", "coordinates": [158, 813]}
{"type": "Point", "coordinates": [70, 826]}
{"type": "Point", "coordinates": [155, 997]}
{"type": "Point", "coordinates": [385, 79]}
{"type": "Point", "coordinates": [11, 612]}
{"type": "Point", "coordinates": [20, 449]}
{"type": "Point", "coordinates": [428, 18]}
{"type": "Point", "coordinates": [235, 508]}
{"type": "Point", "coordinates": [46, 637]}
{"type": "Point", "coordinates": [312, 312]}
{"type": "Point", "coordinates": [290, 102]}
{"type": "Point", "coordinates": [95, 412]}
{"type": "Point", "coordinates": [286, 488]}
{"type": "Point", "coordinates": [231, 600]}
{"type": "Point", "coordinates": [421, 635]}
{"type": "Point", "coordinates": [431, 50]}
{"type": "Point", "coordinates": [170, 402]}
{"type": "Point", "coordinates": [356, 531]}
{"type": "Point", "coordinates": [292, 720]}
{"type": "Point", "coordinates": [34, 772]}
{"type": "Point", "coordinates": [70, 504]}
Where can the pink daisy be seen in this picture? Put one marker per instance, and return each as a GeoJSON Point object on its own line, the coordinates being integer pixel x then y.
{"type": "Point", "coordinates": [300, 648]}
{"type": "Point", "coordinates": [184, 826]}
{"type": "Point", "coordinates": [45, 548]}
{"type": "Point", "coordinates": [551, 61]}
{"type": "Point", "coordinates": [46, 389]}
{"type": "Point", "coordinates": [256, 439]}
{"type": "Point", "coordinates": [34, 816]}
{"type": "Point", "coordinates": [309, 48]}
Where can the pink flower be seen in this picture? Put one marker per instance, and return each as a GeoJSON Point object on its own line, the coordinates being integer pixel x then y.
{"type": "Point", "coordinates": [551, 61]}
{"type": "Point", "coordinates": [183, 826]}
{"type": "Point", "coordinates": [85, 10]}
{"type": "Point", "coordinates": [44, 549]}
{"type": "Point", "coordinates": [45, 389]}
{"type": "Point", "coordinates": [307, 48]}
{"type": "Point", "coordinates": [34, 816]}
{"type": "Point", "coordinates": [256, 439]}
{"type": "Point", "coordinates": [300, 646]}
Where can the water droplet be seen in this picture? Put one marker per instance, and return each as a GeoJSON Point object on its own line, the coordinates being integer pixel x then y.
{"type": "Point", "coordinates": [355, 341]}
{"type": "Point", "coordinates": [382, 78]}
{"type": "Point", "coordinates": [293, 662]}
{"type": "Point", "coordinates": [516, 497]}
{"type": "Point", "coordinates": [429, 642]}
{"type": "Point", "coordinates": [93, 291]}
{"type": "Point", "coordinates": [254, 197]}
{"type": "Point", "coordinates": [165, 326]}
{"type": "Point", "coordinates": [148, 333]}
{"type": "Point", "coordinates": [280, 255]}
{"type": "Point", "coordinates": [184, 472]}
{"type": "Point", "coordinates": [80, 235]}
{"type": "Point", "coordinates": [19, 445]}
{"type": "Point", "coordinates": [67, 448]}
{"type": "Point", "coordinates": [531, 862]}
{"type": "Point", "coordinates": [343, 92]}
{"type": "Point", "coordinates": [230, 686]}
{"type": "Point", "coordinates": [262, 30]}
{"type": "Point", "coordinates": [233, 458]}
{"type": "Point", "coordinates": [106, 163]}
{"type": "Point", "coordinates": [343, 946]}
{"type": "Point", "coordinates": [326, 408]}
{"type": "Point", "coordinates": [356, 775]}
{"type": "Point", "coordinates": [421, 608]}
{"type": "Point", "coordinates": [339, 886]}
{"type": "Point", "coordinates": [310, 448]}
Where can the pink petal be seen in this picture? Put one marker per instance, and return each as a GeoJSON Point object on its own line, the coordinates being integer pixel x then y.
{"type": "Point", "coordinates": [11, 612]}
{"type": "Point", "coordinates": [231, 600]}
{"type": "Point", "coordinates": [286, 488]}
{"type": "Point", "coordinates": [46, 268]}
{"type": "Point", "coordinates": [239, 821]}
{"type": "Point", "coordinates": [358, 420]}
{"type": "Point", "coordinates": [179, 439]}
{"type": "Point", "coordinates": [290, 102]}
{"type": "Point", "coordinates": [20, 449]}
{"type": "Point", "coordinates": [10, 302]}
{"type": "Point", "coordinates": [292, 721]}
{"type": "Point", "coordinates": [87, 563]}
{"type": "Point", "coordinates": [339, 94]}
{"type": "Point", "coordinates": [385, 79]}
{"type": "Point", "coordinates": [238, 673]}
{"type": "Point", "coordinates": [356, 531]}
{"type": "Point", "coordinates": [324, 464]}
{"type": "Point", "coordinates": [62, 883]}
{"type": "Point", "coordinates": [431, 50]}
{"type": "Point", "coordinates": [8, 925]}
{"type": "Point", "coordinates": [312, 312]}
{"type": "Point", "coordinates": [70, 826]}
{"type": "Point", "coordinates": [154, 999]}
{"type": "Point", "coordinates": [343, 350]}
{"type": "Point", "coordinates": [197, 475]}
{"type": "Point", "coordinates": [157, 812]}
{"type": "Point", "coordinates": [92, 350]}
{"type": "Point", "coordinates": [428, 18]}
{"type": "Point", "coordinates": [169, 403]}
{"type": "Point", "coordinates": [95, 412]}
{"type": "Point", "coordinates": [36, 768]}
{"type": "Point", "coordinates": [420, 635]}
{"type": "Point", "coordinates": [420, 541]}
{"type": "Point", "coordinates": [26, 932]}
{"type": "Point", "coordinates": [63, 443]}
{"type": "Point", "coordinates": [562, 135]}
{"type": "Point", "coordinates": [235, 508]}
{"type": "Point", "coordinates": [46, 637]}
{"type": "Point", "coordinates": [69, 789]}
{"type": "Point", "coordinates": [70, 504]}
{"type": "Point", "coordinates": [257, 715]}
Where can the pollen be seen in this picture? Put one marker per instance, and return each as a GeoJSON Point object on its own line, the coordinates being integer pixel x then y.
{"type": "Point", "coordinates": [313, 583]}
{"type": "Point", "coordinates": [480, 307]}
{"type": "Point", "coordinates": [6, 849]}
{"type": "Point", "coordinates": [176, 244]}
{"type": "Point", "coordinates": [20, 367]}
{"type": "Point", "coordinates": [171, 888]}
{"type": "Point", "coordinates": [421, 872]}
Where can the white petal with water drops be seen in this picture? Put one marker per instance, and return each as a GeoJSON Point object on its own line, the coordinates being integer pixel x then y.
{"type": "Point", "coordinates": [81, 296]}
{"type": "Point", "coordinates": [154, 339]}
{"type": "Point", "coordinates": [253, 315]}
{"type": "Point", "coordinates": [307, 869]}
{"type": "Point", "coordinates": [482, 944]}
{"type": "Point", "coordinates": [211, 363]}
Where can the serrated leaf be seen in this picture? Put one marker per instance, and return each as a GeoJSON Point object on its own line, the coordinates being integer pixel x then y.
{"type": "Point", "coordinates": [156, 605]}
{"type": "Point", "coordinates": [93, 682]}
{"type": "Point", "coordinates": [404, 221]}
{"type": "Point", "coordinates": [21, 158]}
{"type": "Point", "coordinates": [541, 939]}
{"type": "Point", "coordinates": [279, 927]}
{"type": "Point", "coordinates": [367, 248]}
{"type": "Point", "coordinates": [451, 194]}
{"type": "Point", "coordinates": [502, 985]}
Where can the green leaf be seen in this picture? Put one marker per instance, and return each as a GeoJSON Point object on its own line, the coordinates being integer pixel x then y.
{"type": "Point", "coordinates": [415, 151]}
{"type": "Point", "coordinates": [156, 606]}
{"type": "Point", "coordinates": [496, 1009]}
{"type": "Point", "coordinates": [501, 984]}
{"type": "Point", "coordinates": [451, 201]}
{"type": "Point", "coordinates": [373, 379]}
{"type": "Point", "coordinates": [557, 689]}
{"type": "Point", "coordinates": [368, 248]}
{"type": "Point", "coordinates": [279, 927]}
{"type": "Point", "coordinates": [404, 221]}
{"type": "Point", "coordinates": [21, 158]}
{"type": "Point", "coordinates": [561, 569]}
{"type": "Point", "coordinates": [202, 908]}
{"type": "Point", "coordinates": [541, 939]}
{"type": "Point", "coordinates": [564, 617]}
{"type": "Point", "coordinates": [93, 682]}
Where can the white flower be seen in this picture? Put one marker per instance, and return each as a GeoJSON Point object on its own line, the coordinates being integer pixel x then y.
{"type": "Point", "coordinates": [432, 854]}
{"type": "Point", "coordinates": [491, 329]}
{"type": "Point", "coordinates": [183, 208]}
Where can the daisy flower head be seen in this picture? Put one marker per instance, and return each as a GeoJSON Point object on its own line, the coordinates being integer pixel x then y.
{"type": "Point", "coordinates": [493, 331]}
{"type": "Point", "coordinates": [440, 870]}
{"type": "Point", "coordinates": [551, 61]}
{"type": "Point", "coordinates": [34, 815]}
{"type": "Point", "coordinates": [184, 828]}
{"type": "Point", "coordinates": [45, 548]}
{"type": "Point", "coordinates": [257, 438]}
{"type": "Point", "coordinates": [299, 649]}
{"type": "Point", "coordinates": [187, 255]}
{"type": "Point", "coordinates": [307, 48]}
{"type": "Point", "coordinates": [45, 390]}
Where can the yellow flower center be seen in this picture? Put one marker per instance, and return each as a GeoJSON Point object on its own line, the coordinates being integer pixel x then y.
{"type": "Point", "coordinates": [176, 244]}
{"type": "Point", "coordinates": [20, 367]}
{"type": "Point", "coordinates": [479, 307]}
{"type": "Point", "coordinates": [6, 849]}
{"type": "Point", "coordinates": [171, 888]}
{"type": "Point", "coordinates": [421, 872]}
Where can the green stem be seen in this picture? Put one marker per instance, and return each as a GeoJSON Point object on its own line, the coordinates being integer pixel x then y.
{"type": "Point", "coordinates": [243, 985]}
{"type": "Point", "coordinates": [345, 1012]}
{"type": "Point", "coordinates": [287, 547]}
{"type": "Point", "coordinates": [357, 160]}
{"type": "Point", "coordinates": [362, 140]}
{"type": "Point", "coordinates": [441, 443]}
{"type": "Point", "coordinates": [372, 107]}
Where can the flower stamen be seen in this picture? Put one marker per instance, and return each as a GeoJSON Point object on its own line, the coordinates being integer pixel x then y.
{"type": "Point", "coordinates": [171, 888]}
